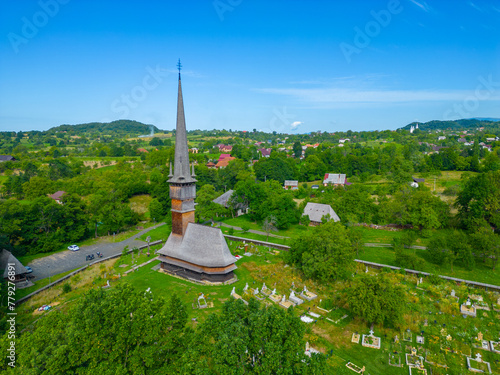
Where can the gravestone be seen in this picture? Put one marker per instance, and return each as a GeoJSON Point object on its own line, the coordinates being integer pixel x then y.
{"type": "Point", "coordinates": [480, 336]}
{"type": "Point", "coordinates": [453, 292]}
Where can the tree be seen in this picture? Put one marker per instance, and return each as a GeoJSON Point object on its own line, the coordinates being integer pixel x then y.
{"type": "Point", "coordinates": [120, 331]}
{"type": "Point", "coordinates": [480, 200]}
{"type": "Point", "coordinates": [207, 208]}
{"type": "Point", "coordinates": [156, 210]}
{"type": "Point", "coordinates": [356, 237]}
{"type": "Point", "coordinates": [269, 224]}
{"type": "Point", "coordinates": [324, 253]}
{"type": "Point", "coordinates": [417, 207]}
{"type": "Point", "coordinates": [253, 339]}
{"type": "Point", "coordinates": [297, 149]}
{"type": "Point", "coordinates": [276, 167]}
{"type": "Point", "coordinates": [377, 299]}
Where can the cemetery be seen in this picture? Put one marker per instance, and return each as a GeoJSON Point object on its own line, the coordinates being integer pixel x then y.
{"type": "Point", "coordinates": [434, 337]}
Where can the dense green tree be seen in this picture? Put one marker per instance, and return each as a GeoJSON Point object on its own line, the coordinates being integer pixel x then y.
{"type": "Point", "coordinates": [121, 331]}
{"type": "Point", "coordinates": [377, 299]}
{"type": "Point", "coordinates": [297, 149]}
{"type": "Point", "coordinates": [276, 167]}
{"type": "Point", "coordinates": [207, 208]}
{"type": "Point", "coordinates": [254, 340]}
{"type": "Point", "coordinates": [479, 200]}
{"type": "Point", "coordinates": [38, 187]}
{"type": "Point", "coordinates": [417, 207]}
{"type": "Point", "coordinates": [324, 253]}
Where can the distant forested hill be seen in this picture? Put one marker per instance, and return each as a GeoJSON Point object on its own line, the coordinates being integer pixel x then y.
{"type": "Point", "coordinates": [455, 125]}
{"type": "Point", "coordinates": [119, 126]}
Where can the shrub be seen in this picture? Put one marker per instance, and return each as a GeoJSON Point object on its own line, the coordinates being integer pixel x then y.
{"type": "Point", "coordinates": [66, 288]}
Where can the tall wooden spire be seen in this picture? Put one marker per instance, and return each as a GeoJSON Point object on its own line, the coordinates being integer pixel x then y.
{"type": "Point", "coordinates": [181, 161]}
{"type": "Point", "coordinates": [182, 184]}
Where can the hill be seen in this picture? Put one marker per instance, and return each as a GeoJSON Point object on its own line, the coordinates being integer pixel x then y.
{"type": "Point", "coordinates": [455, 125]}
{"type": "Point", "coordinates": [118, 126]}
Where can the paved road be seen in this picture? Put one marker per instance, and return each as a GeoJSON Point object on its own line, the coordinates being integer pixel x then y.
{"type": "Point", "coordinates": [68, 260]}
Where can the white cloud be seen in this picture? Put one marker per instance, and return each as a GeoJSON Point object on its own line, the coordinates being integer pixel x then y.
{"type": "Point", "coordinates": [359, 97]}
{"type": "Point", "coordinates": [422, 5]}
{"type": "Point", "coordinates": [295, 124]}
{"type": "Point", "coordinates": [475, 6]}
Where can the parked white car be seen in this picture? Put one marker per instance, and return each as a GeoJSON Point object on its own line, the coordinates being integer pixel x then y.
{"type": "Point", "coordinates": [73, 248]}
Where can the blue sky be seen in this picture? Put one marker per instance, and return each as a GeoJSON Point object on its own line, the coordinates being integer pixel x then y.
{"type": "Point", "coordinates": [287, 66]}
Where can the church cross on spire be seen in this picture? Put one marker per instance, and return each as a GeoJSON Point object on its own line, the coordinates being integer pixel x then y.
{"type": "Point", "coordinates": [179, 66]}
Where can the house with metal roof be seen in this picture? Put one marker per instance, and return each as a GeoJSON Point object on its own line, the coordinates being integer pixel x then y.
{"type": "Point", "coordinates": [335, 179]}
{"type": "Point", "coordinates": [291, 185]}
{"type": "Point", "coordinates": [316, 212]}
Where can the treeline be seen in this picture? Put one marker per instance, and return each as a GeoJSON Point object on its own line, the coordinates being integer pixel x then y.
{"type": "Point", "coordinates": [95, 202]}
{"type": "Point", "coordinates": [127, 331]}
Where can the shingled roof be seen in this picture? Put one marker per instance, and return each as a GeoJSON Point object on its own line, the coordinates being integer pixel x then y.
{"type": "Point", "coordinates": [201, 246]}
{"type": "Point", "coordinates": [316, 211]}
{"type": "Point", "coordinates": [224, 198]}
{"type": "Point", "coordinates": [6, 257]}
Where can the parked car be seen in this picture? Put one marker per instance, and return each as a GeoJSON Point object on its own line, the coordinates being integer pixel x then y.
{"type": "Point", "coordinates": [73, 248]}
{"type": "Point", "coordinates": [90, 257]}
{"type": "Point", "coordinates": [28, 269]}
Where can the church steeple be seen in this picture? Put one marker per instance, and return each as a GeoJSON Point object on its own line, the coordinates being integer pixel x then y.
{"type": "Point", "coordinates": [182, 182]}
{"type": "Point", "coordinates": [181, 162]}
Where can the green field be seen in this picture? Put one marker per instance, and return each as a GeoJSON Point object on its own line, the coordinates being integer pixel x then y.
{"type": "Point", "coordinates": [386, 255]}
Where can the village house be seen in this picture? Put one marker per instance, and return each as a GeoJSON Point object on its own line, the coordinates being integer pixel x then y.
{"type": "Point", "coordinates": [291, 185]}
{"type": "Point", "coordinates": [335, 179]}
{"type": "Point", "coordinates": [223, 163]}
{"type": "Point", "coordinates": [317, 211]}
{"type": "Point", "coordinates": [7, 158]}
{"type": "Point", "coordinates": [224, 148]}
{"type": "Point", "coordinates": [265, 152]}
{"type": "Point", "coordinates": [224, 200]}
{"type": "Point", "coordinates": [57, 196]}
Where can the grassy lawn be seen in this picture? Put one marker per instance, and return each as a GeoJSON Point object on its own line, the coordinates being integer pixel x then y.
{"type": "Point", "coordinates": [140, 204]}
{"type": "Point", "coordinates": [20, 293]}
{"type": "Point", "coordinates": [481, 273]}
{"type": "Point", "coordinates": [244, 220]}
{"type": "Point", "coordinates": [160, 233]}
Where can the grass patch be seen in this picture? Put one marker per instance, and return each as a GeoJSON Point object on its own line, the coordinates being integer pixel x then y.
{"type": "Point", "coordinates": [140, 203]}
{"type": "Point", "coordinates": [20, 293]}
{"type": "Point", "coordinates": [481, 273]}
{"type": "Point", "coordinates": [244, 221]}
{"type": "Point", "coordinates": [160, 233]}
